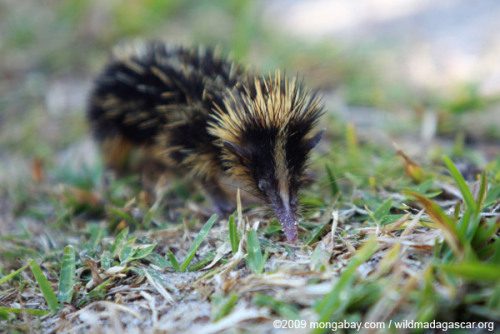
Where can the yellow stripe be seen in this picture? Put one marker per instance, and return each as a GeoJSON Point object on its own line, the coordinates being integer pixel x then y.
{"type": "Point", "coordinates": [281, 170]}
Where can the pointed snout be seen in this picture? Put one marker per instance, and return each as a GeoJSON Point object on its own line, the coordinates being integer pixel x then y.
{"type": "Point", "coordinates": [289, 222]}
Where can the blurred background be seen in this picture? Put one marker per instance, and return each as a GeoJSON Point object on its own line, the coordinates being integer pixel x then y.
{"type": "Point", "coordinates": [419, 73]}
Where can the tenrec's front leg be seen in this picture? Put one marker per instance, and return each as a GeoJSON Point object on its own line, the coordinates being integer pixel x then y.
{"type": "Point", "coordinates": [218, 197]}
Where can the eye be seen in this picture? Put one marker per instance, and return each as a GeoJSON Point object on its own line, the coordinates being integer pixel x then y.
{"type": "Point", "coordinates": [262, 185]}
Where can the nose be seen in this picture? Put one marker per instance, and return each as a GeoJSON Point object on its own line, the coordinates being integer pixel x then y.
{"type": "Point", "coordinates": [288, 219]}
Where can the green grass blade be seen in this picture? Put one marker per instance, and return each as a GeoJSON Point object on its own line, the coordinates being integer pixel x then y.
{"type": "Point", "coordinates": [488, 230]}
{"type": "Point", "coordinates": [5, 316]}
{"type": "Point", "coordinates": [96, 233]}
{"type": "Point", "coordinates": [38, 313]}
{"type": "Point", "coordinates": [492, 195]}
{"type": "Point", "coordinates": [142, 251]}
{"type": "Point", "coordinates": [123, 215]}
{"type": "Point", "coordinates": [315, 233]}
{"type": "Point", "coordinates": [482, 192]}
{"type": "Point", "coordinates": [450, 230]}
{"type": "Point", "coordinates": [126, 254]}
{"type": "Point", "coordinates": [324, 224]}
{"type": "Point", "coordinates": [67, 278]}
{"type": "Point", "coordinates": [254, 259]}
{"type": "Point", "coordinates": [158, 260]}
{"type": "Point", "coordinates": [464, 222]}
{"type": "Point", "coordinates": [494, 302]}
{"type": "Point", "coordinates": [99, 292]}
{"type": "Point", "coordinates": [43, 283]}
{"type": "Point", "coordinates": [106, 260]}
{"type": "Point", "coordinates": [203, 262]}
{"type": "Point", "coordinates": [490, 252]}
{"type": "Point", "coordinates": [227, 306]}
{"type": "Point", "coordinates": [12, 274]}
{"type": "Point", "coordinates": [332, 180]}
{"type": "Point", "coordinates": [474, 271]}
{"type": "Point", "coordinates": [331, 301]}
{"type": "Point", "coordinates": [495, 257]}
{"type": "Point", "coordinates": [462, 185]}
{"type": "Point", "coordinates": [119, 241]}
{"type": "Point", "coordinates": [383, 210]}
{"type": "Point", "coordinates": [264, 261]}
{"type": "Point", "coordinates": [173, 260]}
{"type": "Point", "coordinates": [197, 242]}
{"type": "Point", "coordinates": [352, 143]}
{"type": "Point", "coordinates": [286, 310]}
{"type": "Point", "coordinates": [233, 235]}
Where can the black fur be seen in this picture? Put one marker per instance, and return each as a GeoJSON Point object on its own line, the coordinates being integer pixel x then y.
{"type": "Point", "coordinates": [196, 79]}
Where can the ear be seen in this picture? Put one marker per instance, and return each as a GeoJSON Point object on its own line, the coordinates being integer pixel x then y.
{"type": "Point", "coordinates": [236, 150]}
{"type": "Point", "coordinates": [312, 142]}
